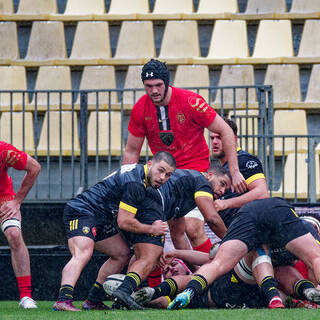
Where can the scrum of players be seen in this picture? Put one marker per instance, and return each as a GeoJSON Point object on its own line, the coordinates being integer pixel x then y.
{"type": "Point", "coordinates": [268, 256]}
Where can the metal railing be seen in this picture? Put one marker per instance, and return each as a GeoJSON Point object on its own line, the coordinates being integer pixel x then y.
{"type": "Point", "coordinates": [79, 136]}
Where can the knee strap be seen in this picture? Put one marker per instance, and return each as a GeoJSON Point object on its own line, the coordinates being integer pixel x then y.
{"type": "Point", "coordinates": [13, 222]}
{"type": "Point", "coordinates": [261, 259]}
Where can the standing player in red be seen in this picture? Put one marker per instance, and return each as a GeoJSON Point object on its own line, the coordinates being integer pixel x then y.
{"type": "Point", "coordinates": [10, 215]}
{"type": "Point", "coordinates": [173, 120]}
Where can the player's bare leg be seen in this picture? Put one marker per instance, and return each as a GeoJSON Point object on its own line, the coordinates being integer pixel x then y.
{"type": "Point", "coordinates": [195, 232]}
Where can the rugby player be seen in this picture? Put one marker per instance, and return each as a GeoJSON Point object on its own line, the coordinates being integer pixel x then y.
{"type": "Point", "coordinates": [125, 196]}
{"type": "Point", "coordinates": [173, 119]}
{"type": "Point", "coordinates": [10, 215]}
{"type": "Point", "coordinates": [269, 221]}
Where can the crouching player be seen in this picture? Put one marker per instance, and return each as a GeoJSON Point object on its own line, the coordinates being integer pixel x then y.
{"type": "Point", "coordinates": [90, 221]}
{"type": "Point", "coordinates": [271, 221]}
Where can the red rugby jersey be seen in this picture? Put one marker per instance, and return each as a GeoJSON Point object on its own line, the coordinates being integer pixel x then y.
{"type": "Point", "coordinates": [9, 157]}
{"type": "Point", "coordinates": [188, 115]}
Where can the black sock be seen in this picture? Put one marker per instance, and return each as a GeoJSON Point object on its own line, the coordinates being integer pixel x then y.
{"type": "Point", "coordinates": [130, 283]}
{"type": "Point", "coordinates": [168, 287]}
{"type": "Point", "coordinates": [197, 285]}
{"type": "Point", "coordinates": [301, 285]}
{"type": "Point", "coordinates": [65, 293]}
{"type": "Point", "coordinates": [268, 287]}
{"type": "Point", "coordinates": [96, 293]}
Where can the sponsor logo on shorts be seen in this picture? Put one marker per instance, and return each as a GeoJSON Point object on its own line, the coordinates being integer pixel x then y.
{"type": "Point", "coordinates": [85, 230]}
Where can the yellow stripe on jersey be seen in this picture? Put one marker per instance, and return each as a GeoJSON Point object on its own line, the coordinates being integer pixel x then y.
{"type": "Point", "coordinates": [294, 213]}
{"type": "Point", "coordinates": [73, 224]}
{"type": "Point", "coordinates": [203, 194]}
{"type": "Point", "coordinates": [255, 177]}
{"type": "Point", "coordinates": [145, 174]}
{"type": "Point", "coordinates": [127, 207]}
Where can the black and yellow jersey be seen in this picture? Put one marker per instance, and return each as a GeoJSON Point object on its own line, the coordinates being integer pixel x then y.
{"type": "Point", "coordinates": [124, 188]}
{"type": "Point", "coordinates": [181, 191]}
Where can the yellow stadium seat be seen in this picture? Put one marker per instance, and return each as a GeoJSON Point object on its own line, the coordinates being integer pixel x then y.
{"type": "Point", "coordinates": [47, 44]}
{"type": "Point", "coordinates": [290, 122]}
{"type": "Point", "coordinates": [229, 42]}
{"type": "Point", "coordinates": [247, 123]}
{"type": "Point", "coordinates": [237, 75]}
{"type": "Point", "coordinates": [36, 9]}
{"type": "Point", "coordinates": [52, 78]}
{"type": "Point", "coordinates": [309, 44]}
{"type": "Point", "coordinates": [313, 92]}
{"type": "Point", "coordinates": [193, 76]}
{"type": "Point", "coordinates": [128, 50]}
{"type": "Point", "coordinates": [91, 43]}
{"type": "Point", "coordinates": [285, 80]}
{"type": "Point", "coordinates": [100, 128]}
{"type": "Point", "coordinates": [6, 7]}
{"type": "Point", "coordinates": [167, 9]}
{"type": "Point", "coordinates": [289, 188]}
{"type": "Point", "coordinates": [22, 130]}
{"type": "Point", "coordinates": [260, 9]}
{"type": "Point", "coordinates": [273, 42]}
{"type": "Point", "coordinates": [304, 9]}
{"type": "Point", "coordinates": [13, 78]}
{"type": "Point", "coordinates": [9, 50]}
{"type": "Point", "coordinates": [132, 81]}
{"type": "Point", "coordinates": [180, 42]}
{"type": "Point", "coordinates": [81, 10]}
{"type": "Point", "coordinates": [214, 9]}
{"type": "Point", "coordinates": [95, 78]}
{"type": "Point", "coordinates": [126, 10]}
{"type": "Point", "coordinates": [59, 144]}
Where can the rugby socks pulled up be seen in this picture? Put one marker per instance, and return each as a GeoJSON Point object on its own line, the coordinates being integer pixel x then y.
{"type": "Point", "coordinates": [154, 278]}
{"type": "Point", "coordinates": [197, 285]}
{"type": "Point", "coordinates": [96, 293]}
{"type": "Point", "coordinates": [65, 293]}
{"type": "Point", "coordinates": [130, 283]}
{"type": "Point", "coordinates": [168, 287]}
{"type": "Point", "coordinates": [204, 247]}
{"type": "Point", "coordinates": [24, 285]}
{"type": "Point", "coordinates": [268, 287]}
{"type": "Point", "coordinates": [302, 285]}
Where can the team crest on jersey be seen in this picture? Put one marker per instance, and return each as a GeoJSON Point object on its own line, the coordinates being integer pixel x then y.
{"type": "Point", "coordinates": [198, 103]}
{"type": "Point", "coordinates": [167, 138]}
{"type": "Point", "coordinates": [94, 231]}
{"type": "Point", "coordinates": [181, 117]}
{"type": "Point", "coordinates": [85, 230]}
{"type": "Point", "coordinates": [251, 164]}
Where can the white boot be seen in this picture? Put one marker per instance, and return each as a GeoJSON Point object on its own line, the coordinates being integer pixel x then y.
{"type": "Point", "coordinates": [27, 303]}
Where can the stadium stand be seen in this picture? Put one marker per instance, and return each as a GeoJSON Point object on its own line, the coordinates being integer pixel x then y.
{"type": "Point", "coordinates": [95, 78]}
{"type": "Point", "coordinates": [180, 42]}
{"type": "Point", "coordinates": [128, 10]}
{"type": "Point", "coordinates": [17, 128]}
{"type": "Point", "coordinates": [59, 134]}
{"type": "Point", "coordinates": [13, 78]}
{"type": "Point", "coordinates": [173, 10]}
{"type": "Point", "coordinates": [36, 9]}
{"type": "Point", "coordinates": [103, 126]}
{"type": "Point", "coordinates": [229, 42]}
{"type": "Point", "coordinates": [6, 6]}
{"type": "Point", "coordinates": [52, 78]}
{"type": "Point", "coordinates": [304, 9]}
{"type": "Point", "coordinates": [260, 8]}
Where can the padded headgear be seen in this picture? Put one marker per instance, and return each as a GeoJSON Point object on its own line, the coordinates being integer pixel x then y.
{"type": "Point", "coordinates": [155, 69]}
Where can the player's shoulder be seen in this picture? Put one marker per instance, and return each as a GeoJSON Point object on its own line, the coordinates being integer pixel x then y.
{"type": "Point", "coordinates": [247, 160]}
{"type": "Point", "coordinates": [131, 173]}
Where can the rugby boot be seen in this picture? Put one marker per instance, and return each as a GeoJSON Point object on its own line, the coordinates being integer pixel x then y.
{"type": "Point", "coordinates": [144, 295]}
{"type": "Point", "coordinates": [297, 303]}
{"type": "Point", "coordinates": [27, 303]}
{"type": "Point", "coordinates": [275, 303]}
{"type": "Point", "coordinates": [312, 294]}
{"type": "Point", "coordinates": [126, 300]}
{"type": "Point", "coordinates": [64, 306]}
{"type": "Point", "coordinates": [87, 305]}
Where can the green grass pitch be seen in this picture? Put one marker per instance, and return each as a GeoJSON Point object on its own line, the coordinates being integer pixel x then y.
{"type": "Point", "coordinates": [9, 311]}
